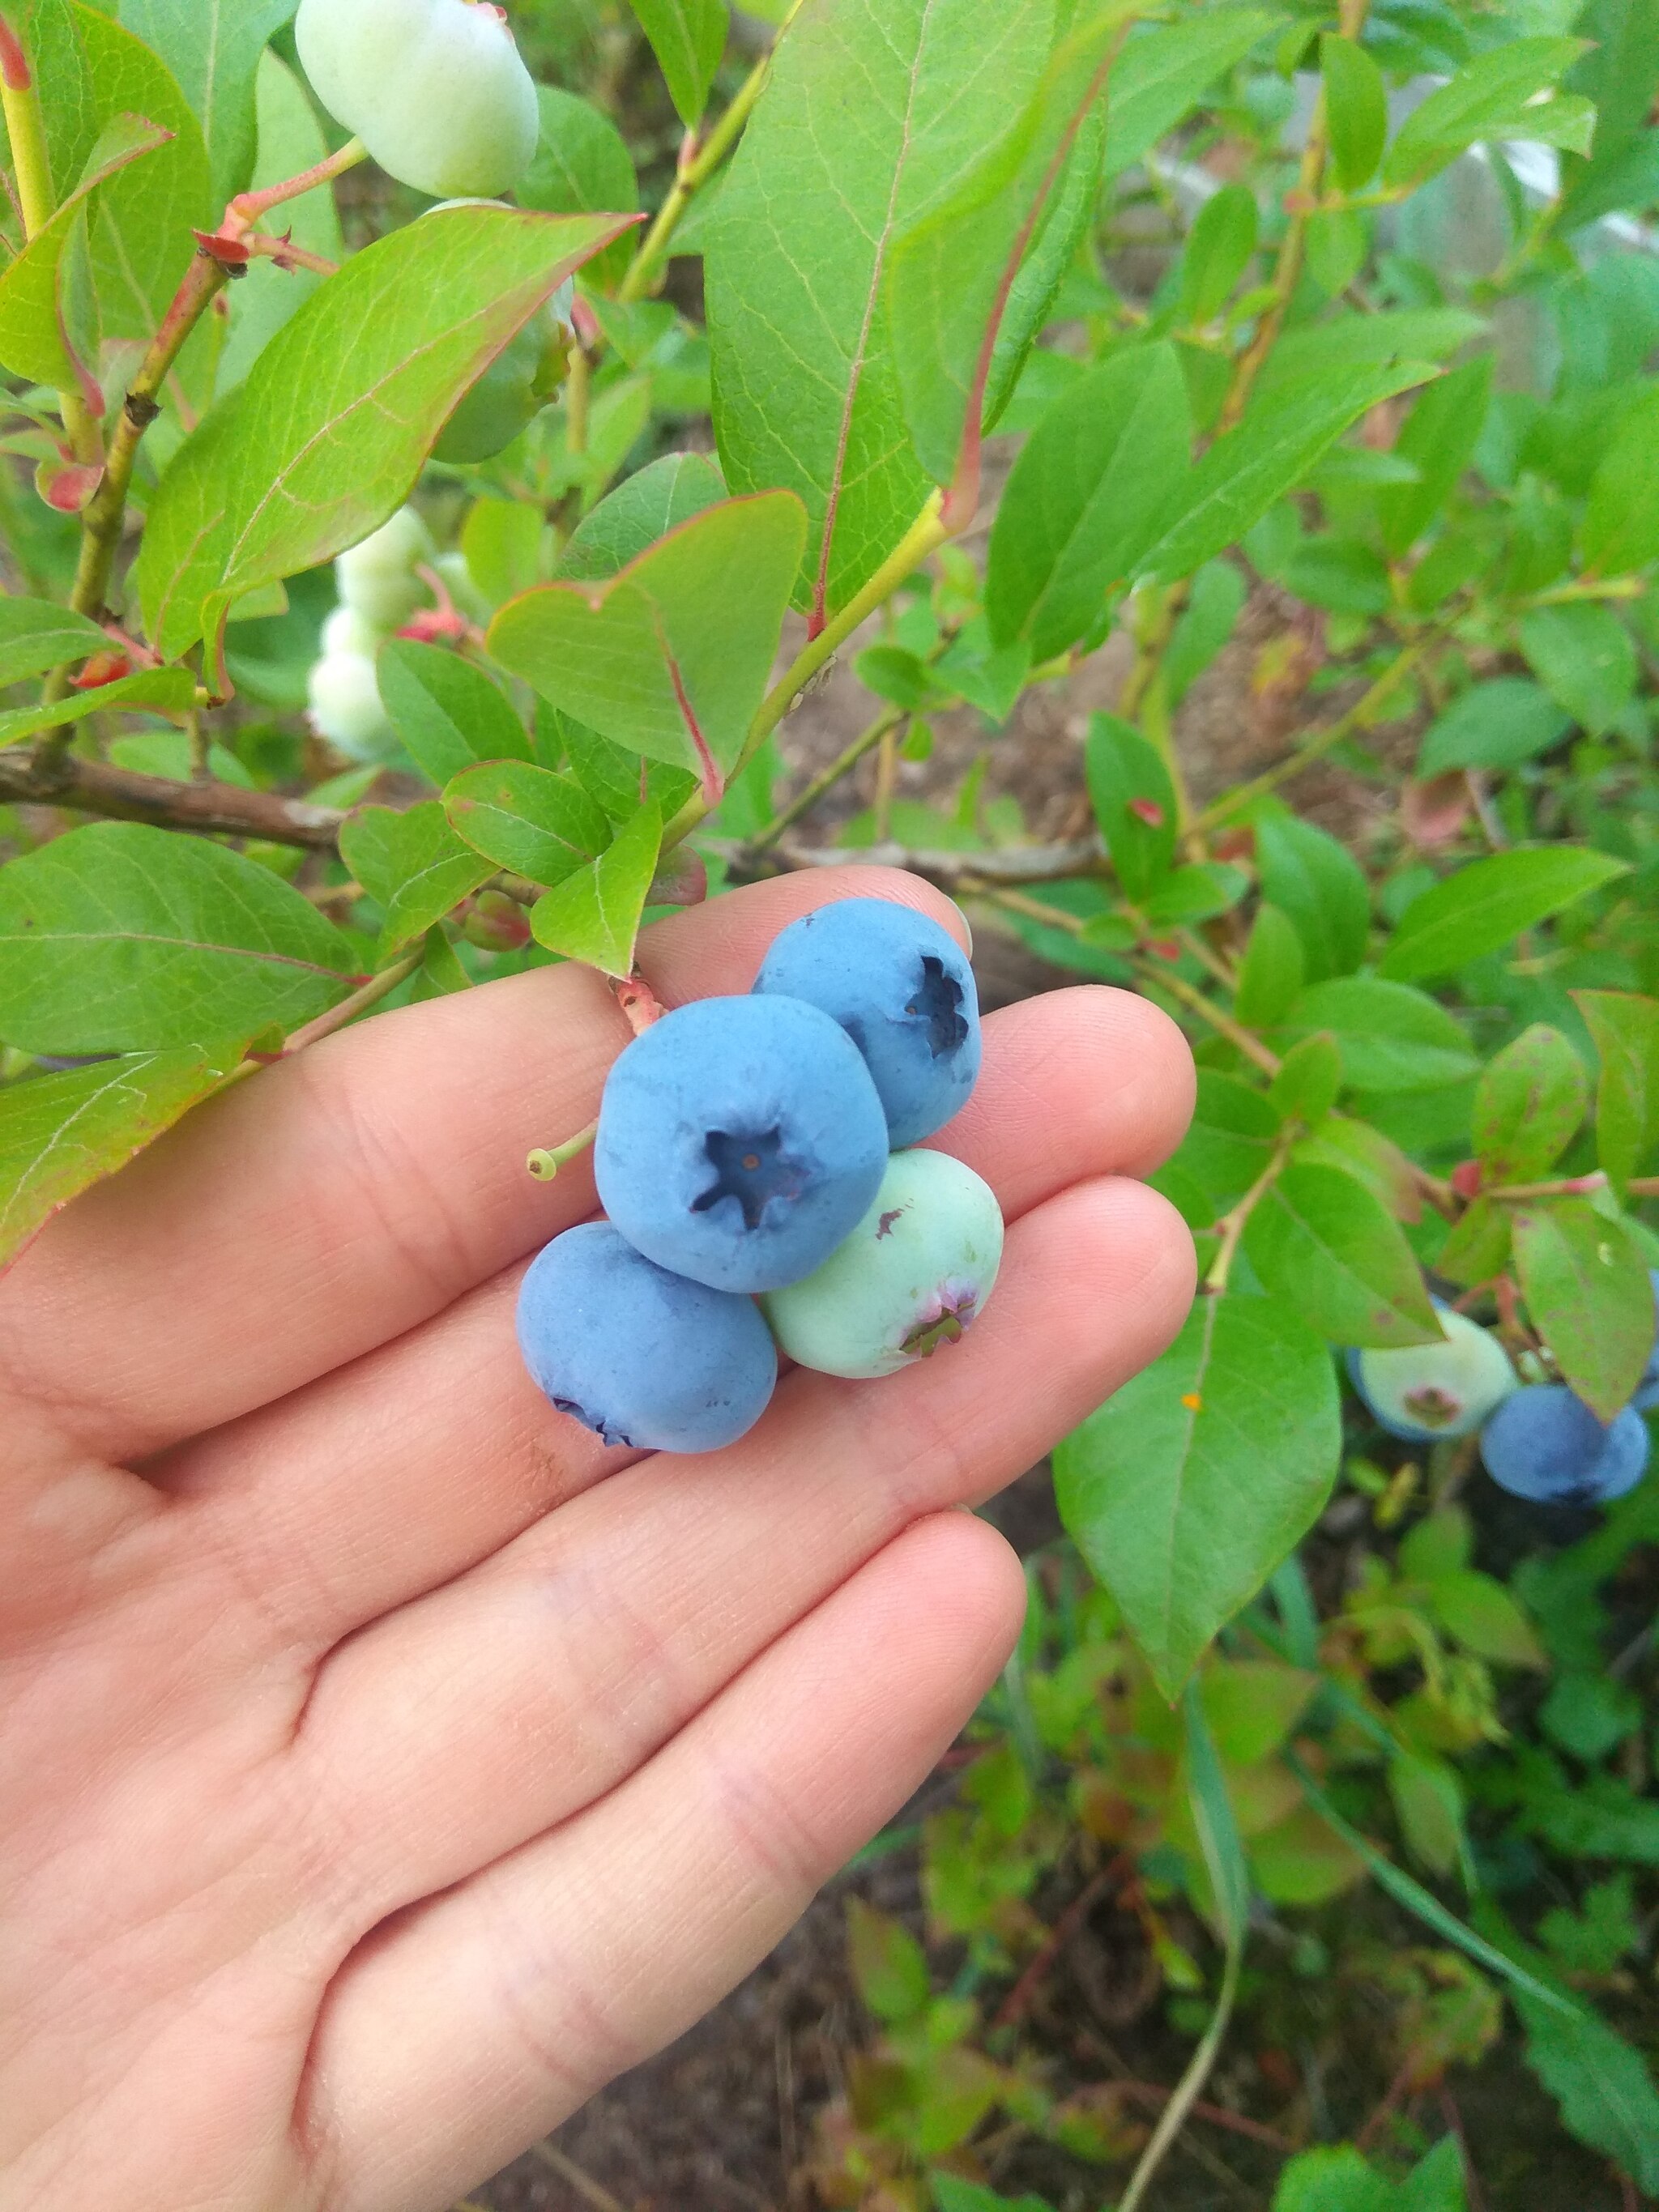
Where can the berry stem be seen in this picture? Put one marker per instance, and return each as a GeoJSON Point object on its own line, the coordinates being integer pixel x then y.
{"type": "Point", "coordinates": [638, 1001]}
{"type": "Point", "coordinates": [545, 1164]}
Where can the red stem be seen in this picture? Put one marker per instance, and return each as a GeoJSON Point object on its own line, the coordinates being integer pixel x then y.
{"type": "Point", "coordinates": [14, 61]}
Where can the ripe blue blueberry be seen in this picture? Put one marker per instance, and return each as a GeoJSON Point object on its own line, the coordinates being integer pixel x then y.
{"type": "Point", "coordinates": [912, 1276]}
{"type": "Point", "coordinates": [1424, 1391]}
{"type": "Point", "coordinates": [1543, 1442]}
{"type": "Point", "coordinates": [901, 988]}
{"type": "Point", "coordinates": [639, 1355]}
{"type": "Point", "coordinates": [739, 1141]}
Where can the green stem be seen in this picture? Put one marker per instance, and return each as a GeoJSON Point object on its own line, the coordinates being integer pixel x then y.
{"type": "Point", "coordinates": [827, 779]}
{"type": "Point", "coordinates": [1294, 246]}
{"type": "Point", "coordinates": [924, 537]}
{"type": "Point", "coordinates": [1187, 2091]}
{"type": "Point", "coordinates": [545, 1162]}
{"type": "Point", "coordinates": [1234, 1222]}
{"type": "Point", "coordinates": [32, 167]}
{"type": "Point", "coordinates": [100, 522]}
{"type": "Point", "coordinates": [1315, 747]}
{"type": "Point", "coordinates": [693, 172]}
{"type": "Point", "coordinates": [365, 996]}
{"type": "Point", "coordinates": [1224, 1025]}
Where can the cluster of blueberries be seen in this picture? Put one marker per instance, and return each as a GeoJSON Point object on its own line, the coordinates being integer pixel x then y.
{"type": "Point", "coordinates": [755, 1158]}
{"type": "Point", "coordinates": [1539, 1440]}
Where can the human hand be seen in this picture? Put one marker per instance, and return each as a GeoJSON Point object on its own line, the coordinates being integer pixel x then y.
{"type": "Point", "coordinates": [387, 1764]}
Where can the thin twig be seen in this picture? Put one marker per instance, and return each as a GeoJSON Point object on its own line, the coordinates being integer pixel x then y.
{"type": "Point", "coordinates": [1238, 2124]}
{"type": "Point", "coordinates": [1314, 748]}
{"type": "Point", "coordinates": [584, 2184]}
{"type": "Point", "coordinates": [225, 809]}
{"type": "Point", "coordinates": [1018, 2001]}
{"type": "Point", "coordinates": [826, 779]}
{"type": "Point", "coordinates": [1019, 863]}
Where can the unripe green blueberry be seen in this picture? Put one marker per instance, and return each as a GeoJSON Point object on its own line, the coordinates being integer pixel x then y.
{"type": "Point", "coordinates": [1422, 1391]}
{"type": "Point", "coordinates": [346, 631]}
{"type": "Point", "coordinates": [377, 580]}
{"type": "Point", "coordinates": [345, 706]}
{"type": "Point", "coordinates": [911, 1277]}
{"type": "Point", "coordinates": [435, 88]}
{"type": "Point", "coordinates": [508, 396]}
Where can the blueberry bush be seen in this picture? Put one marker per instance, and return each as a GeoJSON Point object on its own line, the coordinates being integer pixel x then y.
{"type": "Point", "coordinates": [414, 555]}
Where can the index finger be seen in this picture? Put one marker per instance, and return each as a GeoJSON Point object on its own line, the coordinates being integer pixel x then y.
{"type": "Point", "coordinates": [338, 1198]}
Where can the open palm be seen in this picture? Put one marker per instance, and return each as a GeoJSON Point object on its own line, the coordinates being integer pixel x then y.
{"type": "Point", "coordinates": [387, 1764]}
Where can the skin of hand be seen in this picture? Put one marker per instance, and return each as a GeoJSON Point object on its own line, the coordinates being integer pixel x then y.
{"type": "Point", "coordinates": [387, 1764]}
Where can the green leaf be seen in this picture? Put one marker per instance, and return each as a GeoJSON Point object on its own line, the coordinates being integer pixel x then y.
{"type": "Point", "coordinates": [1626, 1031]}
{"type": "Point", "coordinates": [326, 436]}
{"type": "Point", "coordinates": [1218, 250]}
{"type": "Point", "coordinates": [1134, 802]}
{"type": "Point", "coordinates": [447, 711]}
{"type": "Point", "coordinates": [1186, 1488]}
{"type": "Point", "coordinates": [1321, 886]}
{"type": "Point", "coordinates": [688, 37]}
{"type": "Point", "coordinates": [1197, 892]}
{"type": "Point", "coordinates": [949, 271]}
{"type": "Point", "coordinates": [290, 141]}
{"type": "Point", "coordinates": [1477, 1612]}
{"type": "Point", "coordinates": [1321, 1241]}
{"type": "Point", "coordinates": [120, 937]}
{"type": "Point", "coordinates": [1066, 219]}
{"type": "Point", "coordinates": [1428, 1803]}
{"type": "Point", "coordinates": [37, 635]}
{"type": "Point", "coordinates": [1392, 1037]}
{"type": "Point", "coordinates": [141, 229]}
{"type": "Point", "coordinates": [410, 862]}
{"type": "Point", "coordinates": [1164, 72]}
{"type": "Point", "coordinates": [1484, 906]}
{"type": "Point", "coordinates": [501, 540]}
{"type": "Point", "coordinates": [1528, 1105]}
{"type": "Point", "coordinates": [1091, 489]}
{"type": "Point", "coordinates": [1438, 439]}
{"type": "Point", "coordinates": [889, 1967]}
{"type": "Point", "coordinates": [527, 819]}
{"type": "Point", "coordinates": [1589, 1297]}
{"type": "Point", "coordinates": [1356, 110]}
{"type": "Point", "coordinates": [1215, 599]}
{"type": "Point", "coordinates": [1270, 973]}
{"type": "Point", "coordinates": [1498, 723]}
{"type": "Point", "coordinates": [875, 113]}
{"type": "Point", "coordinates": [1357, 1149]}
{"type": "Point", "coordinates": [594, 914]}
{"type": "Point", "coordinates": [670, 657]}
{"type": "Point", "coordinates": [58, 1134]}
{"type": "Point", "coordinates": [1392, 334]}
{"type": "Point", "coordinates": [1621, 522]}
{"type": "Point", "coordinates": [171, 691]}
{"type": "Point", "coordinates": [48, 322]}
{"type": "Point", "coordinates": [1602, 2086]}
{"type": "Point", "coordinates": [1488, 98]}
{"type": "Point", "coordinates": [1338, 2179]}
{"type": "Point", "coordinates": [1267, 456]}
{"type": "Point", "coordinates": [1308, 1078]}
{"type": "Point", "coordinates": [952, 2194]}
{"type": "Point", "coordinates": [582, 167]}
{"type": "Point", "coordinates": [1583, 656]}
{"type": "Point", "coordinates": [653, 501]}
{"type": "Point", "coordinates": [214, 48]}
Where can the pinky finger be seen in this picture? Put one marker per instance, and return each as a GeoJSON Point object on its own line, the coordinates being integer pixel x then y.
{"type": "Point", "coordinates": [465, 2028]}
